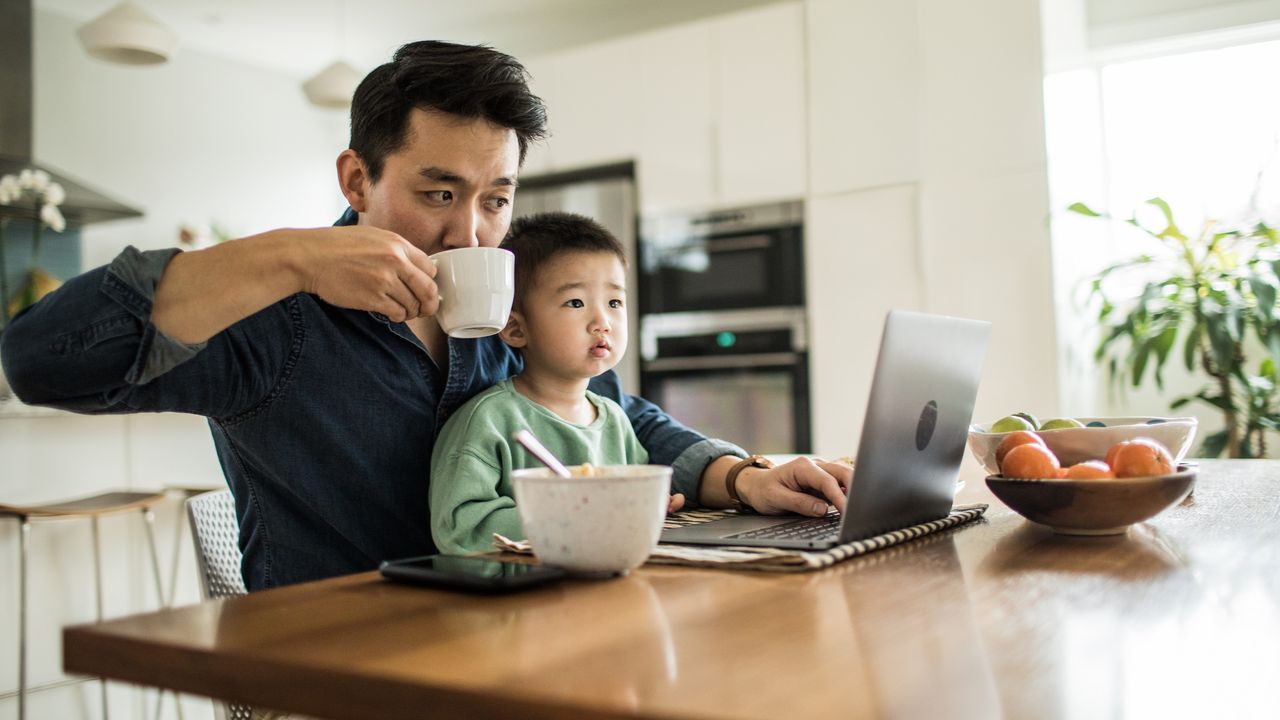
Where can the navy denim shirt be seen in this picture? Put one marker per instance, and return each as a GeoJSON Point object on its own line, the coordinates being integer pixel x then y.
{"type": "Point", "coordinates": [323, 418]}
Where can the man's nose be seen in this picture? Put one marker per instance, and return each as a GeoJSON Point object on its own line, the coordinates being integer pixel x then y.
{"type": "Point", "coordinates": [463, 228]}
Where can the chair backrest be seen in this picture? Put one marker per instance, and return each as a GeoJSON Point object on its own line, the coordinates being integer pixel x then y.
{"type": "Point", "coordinates": [216, 533]}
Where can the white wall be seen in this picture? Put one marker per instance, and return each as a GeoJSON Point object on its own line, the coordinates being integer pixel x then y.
{"type": "Point", "coordinates": [928, 192]}
{"type": "Point", "coordinates": [197, 140]}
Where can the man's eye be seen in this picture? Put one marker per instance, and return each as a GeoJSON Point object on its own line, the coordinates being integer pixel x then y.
{"type": "Point", "coordinates": [575, 303]}
{"type": "Point", "coordinates": [497, 203]}
{"type": "Point", "coordinates": [439, 195]}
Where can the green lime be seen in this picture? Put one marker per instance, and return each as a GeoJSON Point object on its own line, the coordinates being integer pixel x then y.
{"type": "Point", "coordinates": [1061, 423]}
{"type": "Point", "coordinates": [1011, 423]}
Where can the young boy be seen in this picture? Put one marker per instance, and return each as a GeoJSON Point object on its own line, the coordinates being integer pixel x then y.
{"type": "Point", "coordinates": [569, 323]}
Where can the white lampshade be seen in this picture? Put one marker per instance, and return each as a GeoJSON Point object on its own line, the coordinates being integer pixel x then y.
{"type": "Point", "coordinates": [128, 35]}
{"type": "Point", "coordinates": [333, 86]}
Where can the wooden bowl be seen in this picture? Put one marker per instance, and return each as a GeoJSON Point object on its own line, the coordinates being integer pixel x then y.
{"type": "Point", "coordinates": [1106, 506]}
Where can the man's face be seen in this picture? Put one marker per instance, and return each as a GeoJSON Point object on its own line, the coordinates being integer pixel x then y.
{"type": "Point", "coordinates": [575, 316]}
{"type": "Point", "coordinates": [451, 185]}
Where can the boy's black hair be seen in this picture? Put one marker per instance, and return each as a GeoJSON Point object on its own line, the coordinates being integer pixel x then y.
{"type": "Point", "coordinates": [537, 239]}
{"type": "Point", "coordinates": [470, 81]}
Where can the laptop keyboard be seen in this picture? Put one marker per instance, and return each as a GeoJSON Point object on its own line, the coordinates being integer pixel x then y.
{"type": "Point", "coordinates": [820, 528]}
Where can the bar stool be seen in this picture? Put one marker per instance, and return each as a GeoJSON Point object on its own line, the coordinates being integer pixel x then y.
{"type": "Point", "coordinates": [92, 507]}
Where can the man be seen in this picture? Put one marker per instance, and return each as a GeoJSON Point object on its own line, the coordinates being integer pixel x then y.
{"type": "Point", "coordinates": [315, 354]}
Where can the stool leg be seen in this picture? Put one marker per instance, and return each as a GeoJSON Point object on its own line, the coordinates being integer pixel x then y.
{"type": "Point", "coordinates": [23, 535]}
{"type": "Point", "coordinates": [97, 586]}
{"type": "Point", "coordinates": [150, 517]}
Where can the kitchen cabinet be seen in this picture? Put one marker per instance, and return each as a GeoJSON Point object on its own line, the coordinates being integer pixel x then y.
{"type": "Point", "coordinates": [759, 75]}
{"type": "Point", "coordinates": [863, 109]}
{"type": "Point", "coordinates": [713, 112]}
{"type": "Point", "coordinates": [676, 148]}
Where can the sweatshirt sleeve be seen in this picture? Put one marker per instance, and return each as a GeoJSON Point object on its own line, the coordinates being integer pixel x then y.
{"type": "Point", "coordinates": [466, 507]}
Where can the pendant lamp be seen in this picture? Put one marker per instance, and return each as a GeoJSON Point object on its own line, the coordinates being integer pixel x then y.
{"type": "Point", "coordinates": [128, 35]}
{"type": "Point", "coordinates": [333, 86]}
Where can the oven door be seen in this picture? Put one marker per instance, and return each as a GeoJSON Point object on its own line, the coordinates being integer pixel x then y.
{"type": "Point", "coordinates": [756, 269]}
{"type": "Point", "coordinates": [758, 401]}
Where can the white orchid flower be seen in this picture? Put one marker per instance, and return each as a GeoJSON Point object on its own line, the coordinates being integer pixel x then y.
{"type": "Point", "coordinates": [27, 179]}
{"type": "Point", "coordinates": [54, 194]}
{"type": "Point", "coordinates": [40, 181]}
{"type": "Point", "coordinates": [51, 216]}
{"type": "Point", "coordinates": [9, 189]}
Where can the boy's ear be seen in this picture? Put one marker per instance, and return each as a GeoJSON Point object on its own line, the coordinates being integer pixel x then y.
{"type": "Point", "coordinates": [513, 333]}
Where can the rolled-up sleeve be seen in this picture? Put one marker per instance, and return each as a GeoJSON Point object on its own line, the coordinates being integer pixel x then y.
{"type": "Point", "coordinates": [90, 335]}
{"type": "Point", "coordinates": [667, 440]}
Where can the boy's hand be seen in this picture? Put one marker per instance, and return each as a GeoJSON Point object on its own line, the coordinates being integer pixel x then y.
{"type": "Point", "coordinates": [675, 503]}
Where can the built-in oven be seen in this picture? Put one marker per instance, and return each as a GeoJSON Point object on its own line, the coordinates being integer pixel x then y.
{"type": "Point", "coordinates": [734, 259]}
{"type": "Point", "coordinates": [739, 375]}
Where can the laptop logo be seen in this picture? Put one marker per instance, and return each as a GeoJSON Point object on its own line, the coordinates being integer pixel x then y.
{"type": "Point", "coordinates": [928, 421]}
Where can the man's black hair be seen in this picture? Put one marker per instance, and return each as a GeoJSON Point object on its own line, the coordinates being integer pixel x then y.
{"type": "Point", "coordinates": [538, 239]}
{"type": "Point", "coordinates": [470, 81]}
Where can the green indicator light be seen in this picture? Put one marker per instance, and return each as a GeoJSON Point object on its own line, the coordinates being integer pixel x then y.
{"type": "Point", "coordinates": [726, 339]}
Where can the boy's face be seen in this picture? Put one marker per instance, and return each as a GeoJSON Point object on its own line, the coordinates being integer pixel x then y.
{"type": "Point", "coordinates": [572, 322]}
{"type": "Point", "coordinates": [451, 185]}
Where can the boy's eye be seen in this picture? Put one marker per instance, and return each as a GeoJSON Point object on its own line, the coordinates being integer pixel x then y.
{"type": "Point", "coordinates": [575, 303]}
{"type": "Point", "coordinates": [615, 303]}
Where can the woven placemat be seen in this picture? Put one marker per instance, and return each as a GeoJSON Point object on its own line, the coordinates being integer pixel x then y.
{"type": "Point", "coordinates": [773, 559]}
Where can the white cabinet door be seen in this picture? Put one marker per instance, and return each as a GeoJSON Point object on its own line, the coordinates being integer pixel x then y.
{"type": "Point", "coordinates": [676, 116]}
{"type": "Point", "coordinates": [864, 85]}
{"type": "Point", "coordinates": [591, 100]}
{"type": "Point", "coordinates": [759, 76]}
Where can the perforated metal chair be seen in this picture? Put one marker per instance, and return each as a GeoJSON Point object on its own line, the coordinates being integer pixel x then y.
{"type": "Point", "coordinates": [215, 533]}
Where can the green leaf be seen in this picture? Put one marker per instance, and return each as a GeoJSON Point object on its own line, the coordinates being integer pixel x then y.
{"type": "Point", "coordinates": [1181, 401]}
{"type": "Point", "coordinates": [1171, 228]}
{"type": "Point", "coordinates": [1083, 210]}
{"type": "Point", "coordinates": [1214, 444]}
{"type": "Point", "coordinates": [1266, 294]}
{"type": "Point", "coordinates": [1192, 345]}
{"type": "Point", "coordinates": [1218, 401]}
{"type": "Point", "coordinates": [1163, 344]}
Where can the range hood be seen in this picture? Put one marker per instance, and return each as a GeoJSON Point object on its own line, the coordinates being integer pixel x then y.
{"type": "Point", "coordinates": [83, 205]}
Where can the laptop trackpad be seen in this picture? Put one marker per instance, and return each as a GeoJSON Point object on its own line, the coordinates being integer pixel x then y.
{"type": "Point", "coordinates": [723, 528]}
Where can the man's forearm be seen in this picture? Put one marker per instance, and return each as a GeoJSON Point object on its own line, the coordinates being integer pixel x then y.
{"type": "Point", "coordinates": [203, 292]}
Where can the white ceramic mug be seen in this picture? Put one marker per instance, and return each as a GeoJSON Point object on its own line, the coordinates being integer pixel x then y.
{"type": "Point", "coordinates": [477, 286]}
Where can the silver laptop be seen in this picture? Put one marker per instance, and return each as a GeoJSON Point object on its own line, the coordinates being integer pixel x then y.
{"type": "Point", "coordinates": [913, 441]}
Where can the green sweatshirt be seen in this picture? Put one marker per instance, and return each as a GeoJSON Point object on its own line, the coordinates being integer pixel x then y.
{"type": "Point", "coordinates": [471, 493]}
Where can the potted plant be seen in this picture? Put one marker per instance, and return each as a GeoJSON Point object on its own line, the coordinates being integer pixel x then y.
{"type": "Point", "coordinates": [1211, 299]}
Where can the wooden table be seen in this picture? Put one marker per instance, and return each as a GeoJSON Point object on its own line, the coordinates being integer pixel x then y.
{"type": "Point", "coordinates": [1179, 618]}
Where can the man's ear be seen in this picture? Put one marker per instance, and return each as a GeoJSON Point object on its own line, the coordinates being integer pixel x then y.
{"type": "Point", "coordinates": [513, 333]}
{"type": "Point", "coordinates": [353, 178]}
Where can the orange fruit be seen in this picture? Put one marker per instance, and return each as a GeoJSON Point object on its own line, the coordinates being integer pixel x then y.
{"type": "Point", "coordinates": [1089, 470]}
{"type": "Point", "coordinates": [1111, 453]}
{"type": "Point", "coordinates": [1142, 457]}
{"type": "Point", "coordinates": [1030, 460]}
{"type": "Point", "coordinates": [1013, 440]}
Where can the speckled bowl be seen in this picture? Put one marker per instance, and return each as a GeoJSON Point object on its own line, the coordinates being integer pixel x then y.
{"type": "Point", "coordinates": [1105, 506]}
{"type": "Point", "coordinates": [606, 523]}
{"type": "Point", "coordinates": [1075, 445]}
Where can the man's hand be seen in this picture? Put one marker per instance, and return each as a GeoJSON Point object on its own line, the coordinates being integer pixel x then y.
{"type": "Point", "coordinates": [367, 268]}
{"type": "Point", "coordinates": [805, 485]}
